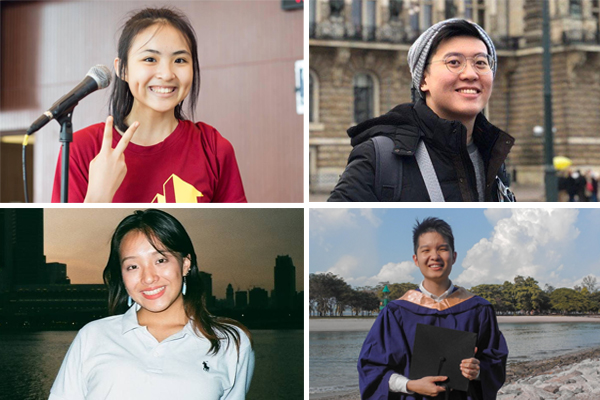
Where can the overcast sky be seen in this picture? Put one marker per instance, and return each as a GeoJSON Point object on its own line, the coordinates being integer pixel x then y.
{"type": "Point", "coordinates": [236, 246]}
{"type": "Point", "coordinates": [368, 246]}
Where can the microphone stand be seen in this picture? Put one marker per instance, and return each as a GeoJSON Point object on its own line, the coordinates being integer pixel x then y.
{"type": "Point", "coordinates": [66, 137]}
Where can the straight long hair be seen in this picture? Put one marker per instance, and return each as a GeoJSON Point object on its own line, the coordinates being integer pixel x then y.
{"type": "Point", "coordinates": [121, 98]}
{"type": "Point", "coordinates": [164, 231]}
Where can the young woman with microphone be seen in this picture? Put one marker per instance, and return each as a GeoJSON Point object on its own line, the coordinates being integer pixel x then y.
{"type": "Point", "coordinates": [147, 151]}
{"type": "Point", "coordinates": [160, 342]}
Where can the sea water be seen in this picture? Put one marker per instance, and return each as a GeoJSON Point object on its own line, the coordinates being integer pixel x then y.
{"type": "Point", "coordinates": [31, 360]}
{"type": "Point", "coordinates": [333, 355]}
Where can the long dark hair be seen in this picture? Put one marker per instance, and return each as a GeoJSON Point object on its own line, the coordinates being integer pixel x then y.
{"type": "Point", "coordinates": [121, 99]}
{"type": "Point", "coordinates": [164, 231]}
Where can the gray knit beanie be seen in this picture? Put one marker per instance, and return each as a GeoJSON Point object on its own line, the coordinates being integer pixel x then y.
{"type": "Point", "coordinates": [418, 52]}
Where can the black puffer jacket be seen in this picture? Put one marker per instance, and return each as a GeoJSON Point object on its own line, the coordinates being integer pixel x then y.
{"type": "Point", "coordinates": [446, 143]}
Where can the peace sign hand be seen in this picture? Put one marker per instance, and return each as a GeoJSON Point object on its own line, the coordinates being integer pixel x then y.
{"type": "Point", "coordinates": [108, 169]}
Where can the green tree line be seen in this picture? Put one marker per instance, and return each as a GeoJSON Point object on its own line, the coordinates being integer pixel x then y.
{"type": "Point", "coordinates": [330, 295]}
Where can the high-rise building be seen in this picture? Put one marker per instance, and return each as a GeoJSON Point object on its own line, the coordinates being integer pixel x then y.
{"type": "Point", "coordinates": [230, 303]}
{"type": "Point", "coordinates": [241, 299]}
{"type": "Point", "coordinates": [33, 291]}
{"type": "Point", "coordinates": [259, 298]}
{"type": "Point", "coordinates": [206, 280]}
{"type": "Point", "coordinates": [285, 282]}
{"type": "Point", "coordinates": [22, 244]}
{"type": "Point", "coordinates": [55, 273]}
{"type": "Point", "coordinates": [5, 252]}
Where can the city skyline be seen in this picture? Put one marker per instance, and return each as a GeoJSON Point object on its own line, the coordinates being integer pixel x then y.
{"type": "Point", "coordinates": [234, 246]}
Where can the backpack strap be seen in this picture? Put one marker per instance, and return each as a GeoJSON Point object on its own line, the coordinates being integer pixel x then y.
{"type": "Point", "coordinates": [388, 163]}
{"type": "Point", "coordinates": [388, 170]}
{"type": "Point", "coordinates": [430, 178]}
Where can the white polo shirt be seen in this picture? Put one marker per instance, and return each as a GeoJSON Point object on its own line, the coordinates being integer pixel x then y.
{"type": "Point", "coordinates": [116, 358]}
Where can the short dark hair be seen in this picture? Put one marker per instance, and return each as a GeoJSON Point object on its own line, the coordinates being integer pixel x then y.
{"type": "Point", "coordinates": [121, 99]}
{"type": "Point", "coordinates": [432, 224]}
{"type": "Point", "coordinates": [454, 29]}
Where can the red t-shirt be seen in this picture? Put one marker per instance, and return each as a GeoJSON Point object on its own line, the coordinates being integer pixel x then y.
{"type": "Point", "coordinates": [194, 164]}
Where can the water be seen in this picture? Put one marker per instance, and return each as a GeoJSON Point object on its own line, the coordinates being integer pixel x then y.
{"type": "Point", "coordinates": [333, 355]}
{"type": "Point", "coordinates": [527, 342]}
{"type": "Point", "coordinates": [279, 370]}
{"type": "Point", "coordinates": [30, 362]}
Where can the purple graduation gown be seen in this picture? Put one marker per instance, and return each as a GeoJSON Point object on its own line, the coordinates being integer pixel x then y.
{"type": "Point", "coordinates": [388, 346]}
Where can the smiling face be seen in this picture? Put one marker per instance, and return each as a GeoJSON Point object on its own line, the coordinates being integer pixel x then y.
{"type": "Point", "coordinates": [434, 258]}
{"type": "Point", "coordinates": [159, 69]}
{"type": "Point", "coordinates": [152, 278]}
{"type": "Point", "coordinates": [457, 96]}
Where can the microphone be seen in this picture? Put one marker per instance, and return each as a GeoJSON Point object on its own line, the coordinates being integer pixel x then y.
{"type": "Point", "coordinates": [98, 77]}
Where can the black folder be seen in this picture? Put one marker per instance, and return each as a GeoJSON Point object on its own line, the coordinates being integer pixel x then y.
{"type": "Point", "coordinates": [439, 351]}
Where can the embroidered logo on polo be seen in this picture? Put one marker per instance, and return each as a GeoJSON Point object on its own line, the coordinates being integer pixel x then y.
{"type": "Point", "coordinates": [176, 190]}
{"type": "Point", "coordinates": [206, 367]}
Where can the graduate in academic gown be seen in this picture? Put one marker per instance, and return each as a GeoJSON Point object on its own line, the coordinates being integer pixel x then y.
{"type": "Point", "coordinates": [387, 350]}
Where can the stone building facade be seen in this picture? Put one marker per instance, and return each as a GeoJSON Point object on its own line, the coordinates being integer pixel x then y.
{"type": "Point", "coordinates": [358, 69]}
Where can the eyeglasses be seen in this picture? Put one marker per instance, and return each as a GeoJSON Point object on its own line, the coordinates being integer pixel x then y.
{"type": "Point", "coordinates": [456, 63]}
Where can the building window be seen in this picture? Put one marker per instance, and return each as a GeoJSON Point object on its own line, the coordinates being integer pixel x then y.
{"type": "Point", "coordinates": [575, 8]}
{"type": "Point", "coordinates": [449, 9]}
{"type": "Point", "coordinates": [357, 17]}
{"type": "Point", "coordinates": [427, 13]}
{"type": "Point", "coordinates": [596, 16]}
{"type": "Point", "coordinates": [414, 15]}
{"type": "Point", "coordinates": [364, 19]}
{"type": "Point", "coordinates": [475, 11]}
{"type": "Point", "coordinates": [313, 96]}
{"type": "Point", "coordinates": [420, 16]}
{"type": "Point", "coordinates": [481, 13]}
{"type": "Point", "coordinates": [364, 93]}
{"type": "Point", "coordinates": [371, 20]}
{"type": "Point", "coordinates": [312, 17]}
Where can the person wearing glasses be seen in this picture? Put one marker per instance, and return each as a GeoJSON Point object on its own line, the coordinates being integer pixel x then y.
{"type": "Point", "coordinates": [440, 147]}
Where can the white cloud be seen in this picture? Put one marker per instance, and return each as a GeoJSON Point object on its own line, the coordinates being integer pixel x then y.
{"type": "Point", "coordinates": [368, 214]}
{"type": "Point", "coordinates": [580, 281]}
{"type": "Point", "coordinates": [331, 218]}
{"type": "Point", "coordinates": [390, 272]}
{"type": "Point", "coordinates": [345, 267]}
{"type": "Point", "coordinates": [328, 219]}
{"type": "Point", "coordinates": [526, 242]}
{"type": "Point", "coordinates": [339, 218]}
{"type": "Point", "coordinates": [494, 215]}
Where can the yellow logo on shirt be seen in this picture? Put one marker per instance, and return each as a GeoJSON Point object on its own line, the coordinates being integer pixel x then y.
{"type": "Point", "coordinates": [176, 190]}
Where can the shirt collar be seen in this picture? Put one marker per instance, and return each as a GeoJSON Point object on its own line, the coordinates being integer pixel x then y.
{"type": "Point", "coordinates": [130, 322]}
{"type": "Point", "coordinates": [435, 298]}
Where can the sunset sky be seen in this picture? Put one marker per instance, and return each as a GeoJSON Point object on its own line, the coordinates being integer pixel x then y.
{"type": "Point", "coordinates": [236, 246]}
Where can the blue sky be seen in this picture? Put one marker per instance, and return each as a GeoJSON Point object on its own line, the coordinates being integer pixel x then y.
{"type": "Point", "coordinates": [367, 246]}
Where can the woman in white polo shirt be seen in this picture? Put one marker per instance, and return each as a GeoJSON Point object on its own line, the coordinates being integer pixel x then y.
{"type": "Point", "coordinates": [160, 342]}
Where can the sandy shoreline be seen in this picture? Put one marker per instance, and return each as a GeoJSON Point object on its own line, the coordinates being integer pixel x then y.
{"type": "Point", "coordinates": [349, 324]}
{"type": "Point", "coordinates": [519, 380]}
